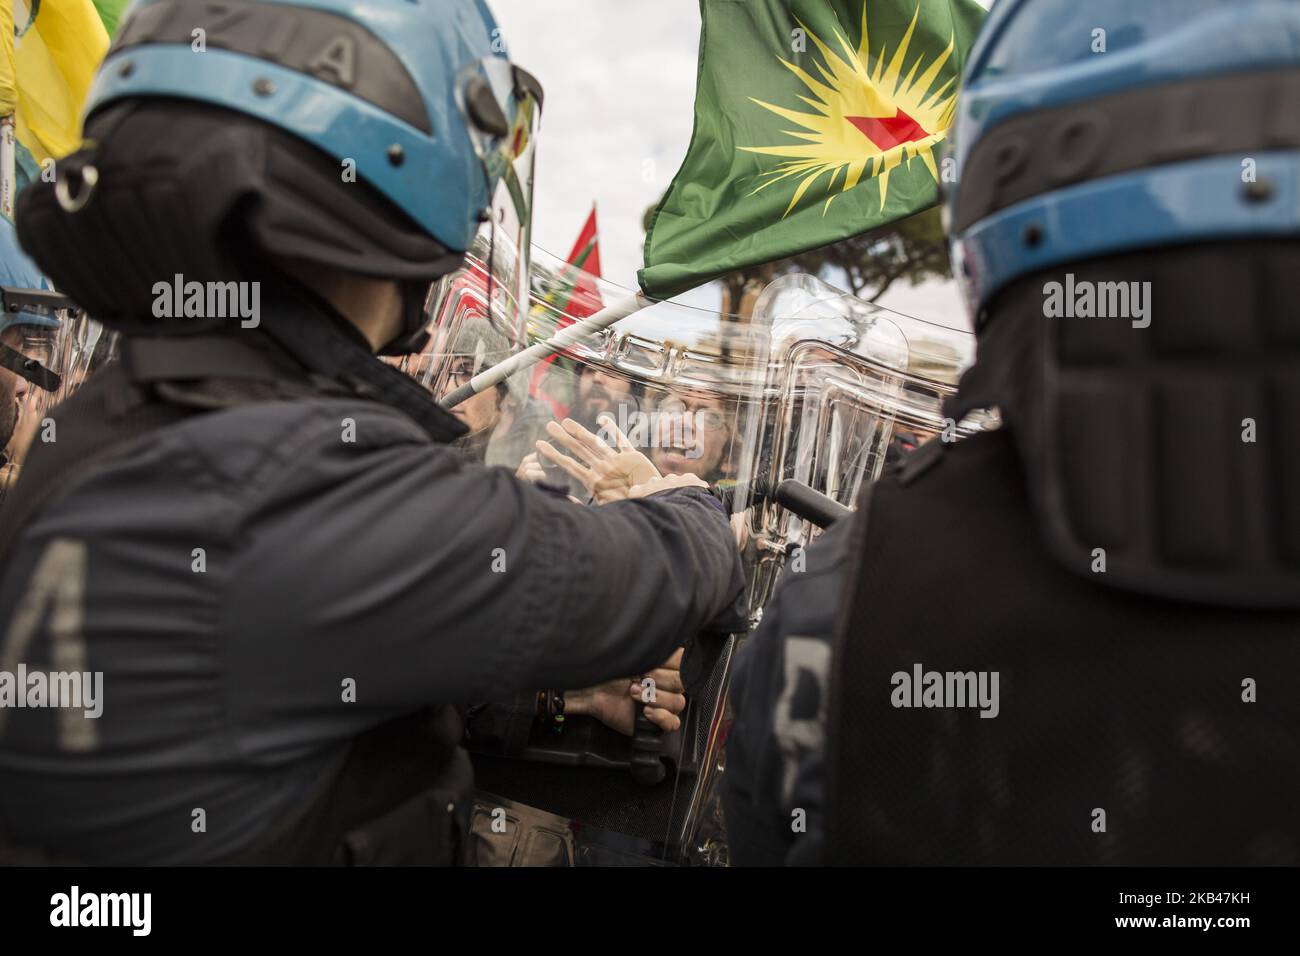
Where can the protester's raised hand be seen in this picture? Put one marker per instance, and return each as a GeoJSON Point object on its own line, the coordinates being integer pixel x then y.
{"type": "Point", "coordinates": [617, 476]}
{"type": "Point", "coordinates": [607, 473]}
{"type": "Point", "coordinates": [614, 703]}
{"type": "Point", "coordinates": [584, 448]}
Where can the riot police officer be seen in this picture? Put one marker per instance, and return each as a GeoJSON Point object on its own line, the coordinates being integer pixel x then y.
{"type": "Point", "coordinates": [251, 532]}
{"type": "Point", "coordinates": [1072, 640]}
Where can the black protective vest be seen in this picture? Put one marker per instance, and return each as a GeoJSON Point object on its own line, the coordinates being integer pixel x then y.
{"type": "Point", "coordinates": [1125, 731]}
{"type": "Point", "coordinates": [401, 793]}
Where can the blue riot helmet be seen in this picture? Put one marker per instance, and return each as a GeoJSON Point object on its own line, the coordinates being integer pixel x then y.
{"type": "Point", "coordinates": [375, 137]}
{"type": "Point", "coordinates": [1089, 129]}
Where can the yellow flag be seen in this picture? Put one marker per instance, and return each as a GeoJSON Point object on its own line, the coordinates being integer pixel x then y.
{"type": "Point", "coordinates": [8, 87]}
{"type": "Point", "coordinates": [56, 54]}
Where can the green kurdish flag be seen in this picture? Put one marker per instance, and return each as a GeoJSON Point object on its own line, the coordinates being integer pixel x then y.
{"type": "Point", "coordinates": [815, 120]}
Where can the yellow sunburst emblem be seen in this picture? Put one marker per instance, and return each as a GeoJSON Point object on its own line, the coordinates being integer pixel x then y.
{"type": "Point", "coordinates": [867, 117]}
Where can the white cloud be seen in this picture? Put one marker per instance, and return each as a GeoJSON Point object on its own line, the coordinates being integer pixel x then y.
{"type": "Point", "coordinates": [620, 93]}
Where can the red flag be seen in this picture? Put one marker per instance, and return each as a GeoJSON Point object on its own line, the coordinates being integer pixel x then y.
{"type": "Point", "coordinates": [584, 299]}
{"type": "Point", "coordinates": [576, 297]}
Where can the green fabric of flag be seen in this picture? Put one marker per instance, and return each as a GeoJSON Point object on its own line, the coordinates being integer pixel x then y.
{"type": "Point", "coordinates": [815, 120]}
{"type": "Point", "coordinates": [110, 11]}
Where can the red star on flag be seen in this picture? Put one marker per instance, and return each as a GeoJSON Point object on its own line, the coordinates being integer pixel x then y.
{"type": "Point", "coordinates": [889, 131]}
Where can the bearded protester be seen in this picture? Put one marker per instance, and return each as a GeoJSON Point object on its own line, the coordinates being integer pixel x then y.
{"type": "Point", "coordinates": [600, 391]}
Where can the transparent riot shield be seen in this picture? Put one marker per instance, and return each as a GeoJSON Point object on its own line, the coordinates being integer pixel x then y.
{"type": "Point", "coordinates": [47, 348]}
{"type": "Point", "coordinates": [503, 112]}
{"type": "Point", "coordinates": [816, 387]}
{"type": "Point", "coordinates": [853, 387]}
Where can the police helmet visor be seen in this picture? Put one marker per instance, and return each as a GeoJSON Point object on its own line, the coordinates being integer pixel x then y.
{"type": "Point", "coordinates": [45, 356]}
{"type": "Point", "coordinates": [502, 106]}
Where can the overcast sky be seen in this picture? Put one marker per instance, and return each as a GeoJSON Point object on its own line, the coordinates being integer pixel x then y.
{"type": "Point", "coordinates": [620, 93]}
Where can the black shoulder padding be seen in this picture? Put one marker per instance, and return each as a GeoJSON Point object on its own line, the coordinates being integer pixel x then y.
{"type": "Point", "coordinates": [1162, 442]}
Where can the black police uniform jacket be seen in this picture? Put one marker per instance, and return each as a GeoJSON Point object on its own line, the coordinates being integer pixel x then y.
{"type": "Point", "coordinates": [275, 594]}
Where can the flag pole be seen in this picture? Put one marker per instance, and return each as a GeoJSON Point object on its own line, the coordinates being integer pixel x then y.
{"type": "Point", "coordinates": [535, 353]}
{"type": "Point", "coordinates": [8, 160]}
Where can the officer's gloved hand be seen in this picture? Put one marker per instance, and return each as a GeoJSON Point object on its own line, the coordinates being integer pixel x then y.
{"type": "Point", "coordinates": [614, 703]}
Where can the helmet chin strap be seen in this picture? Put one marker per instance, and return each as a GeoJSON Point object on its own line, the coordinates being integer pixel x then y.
{"type": "Point", "coordinates": [415, 334]}
{"type": "Point", "coordinates": [29, 369]}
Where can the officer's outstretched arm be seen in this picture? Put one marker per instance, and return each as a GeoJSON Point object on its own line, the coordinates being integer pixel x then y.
{"type": "Point", "coordinates": [421, 579]}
